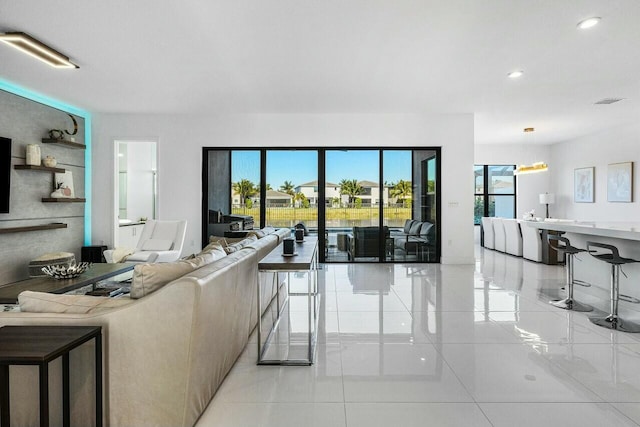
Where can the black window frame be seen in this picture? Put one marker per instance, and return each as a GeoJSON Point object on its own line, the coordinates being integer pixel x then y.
{"type": "Point", "coordinates": [485, 194]}
{"type": "Point", "coordinates": [321, 193]}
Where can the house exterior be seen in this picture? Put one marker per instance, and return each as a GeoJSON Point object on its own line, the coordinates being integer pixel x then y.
{"type": "Point", "coordinates": [278, 199]}
{"type": "Point", "coordinates": [310, 190]}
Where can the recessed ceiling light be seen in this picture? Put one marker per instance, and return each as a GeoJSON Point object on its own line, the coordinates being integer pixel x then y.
{"type": "Point", "coordinates": [588, 23]}
{"type": "Point", "coordinates": [515, 74]}
{"type": "Point", "coordinates": [35, 48]}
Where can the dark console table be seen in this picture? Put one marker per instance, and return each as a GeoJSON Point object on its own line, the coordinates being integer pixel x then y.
{"type": "Point", "coordinates": [39, 345]}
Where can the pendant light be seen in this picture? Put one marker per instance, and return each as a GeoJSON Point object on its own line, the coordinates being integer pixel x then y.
{"type": "Point", "coordinates": [534, 167]}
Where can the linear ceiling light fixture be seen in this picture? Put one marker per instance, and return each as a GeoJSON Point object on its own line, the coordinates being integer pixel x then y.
{"type": "Point", "coordinates": [588, 23]}
{"type": "Point", "coordinates": [36, 49]}
{"type": "Point", "coordinates": [534, 167]}
{"type": "Point", "coordinates": [515, 74]}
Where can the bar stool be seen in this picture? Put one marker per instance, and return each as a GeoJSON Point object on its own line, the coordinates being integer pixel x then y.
{"type": "Point", "coordinates": [564, 247]}
{"type": "Point", "coordinates": [612, 256]}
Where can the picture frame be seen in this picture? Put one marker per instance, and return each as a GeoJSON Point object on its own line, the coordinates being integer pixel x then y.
{"type": "Point", "coordinates": [620, 182]}
{"type": "Point", "coordinates": [583, 185]}
{"type": "Point", "coordinates": [63, 186]}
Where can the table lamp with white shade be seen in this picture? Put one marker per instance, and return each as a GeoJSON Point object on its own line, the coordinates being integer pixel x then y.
{"type": "Point", "coordinates": [547, 199]}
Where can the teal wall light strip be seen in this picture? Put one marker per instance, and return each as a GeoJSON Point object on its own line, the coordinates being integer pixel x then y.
{"type": "Point", "coordinates": [42, 99]}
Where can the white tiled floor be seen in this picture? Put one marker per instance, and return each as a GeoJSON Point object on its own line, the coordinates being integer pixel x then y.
{"type": "Point", "coordinates": [441, 345]}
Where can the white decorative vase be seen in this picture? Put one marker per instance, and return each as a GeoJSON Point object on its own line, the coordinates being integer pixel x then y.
{"type": "Point", "coordinates": [50, 162]}
{"type": "Point", "coordinates": [33, 157]}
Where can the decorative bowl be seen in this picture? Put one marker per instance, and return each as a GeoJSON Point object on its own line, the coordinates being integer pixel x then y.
{"type": "Point", "coordinates": [60, 272]}
{"type": "Point", "coordinates": [50, 162]}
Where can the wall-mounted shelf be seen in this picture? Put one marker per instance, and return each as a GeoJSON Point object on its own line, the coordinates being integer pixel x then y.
{"type": "Point", "coordinates": [64, 143]}
{"type": "Point", "coordinates": [38, 168]}
{"type": "Point", "coordinates": [63, 200]}
{"type": "Point", "coordinates": [32, 228]}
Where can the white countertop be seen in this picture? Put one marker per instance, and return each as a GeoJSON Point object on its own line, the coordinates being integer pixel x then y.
{"type": "Point", "coordinates": [618, 230]}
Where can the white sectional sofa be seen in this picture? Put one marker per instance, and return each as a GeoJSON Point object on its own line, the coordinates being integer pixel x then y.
{"type": "Point", "coordinates": [165, 354]}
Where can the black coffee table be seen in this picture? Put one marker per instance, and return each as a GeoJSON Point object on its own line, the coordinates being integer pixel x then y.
{"type": "Point", "coordinates": [9, 292]}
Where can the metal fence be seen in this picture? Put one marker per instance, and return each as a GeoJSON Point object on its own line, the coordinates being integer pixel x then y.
{"type": "Point", "coordinates": [336, 217]}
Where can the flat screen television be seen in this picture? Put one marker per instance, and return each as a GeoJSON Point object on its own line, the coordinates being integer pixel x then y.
{"type": "Point", "coordinates": [5, 174]}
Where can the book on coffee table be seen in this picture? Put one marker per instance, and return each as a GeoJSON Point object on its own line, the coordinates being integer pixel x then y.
{"type": "Point", "coordinates": [108, 291]}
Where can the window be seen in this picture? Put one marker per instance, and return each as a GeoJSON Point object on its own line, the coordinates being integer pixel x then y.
{"type": "Point", "coordinates": [356, 200]}
{"type": "Point", "coordinates": [495, 191]}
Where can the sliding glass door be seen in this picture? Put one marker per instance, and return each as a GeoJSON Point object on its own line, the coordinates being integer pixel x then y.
{"type": "Point", "coordinates": [365, 205]}
{"type": "Point", "coordinates": [397, 202]}
{"type": "Point", "coordinates": [292, 188]}
{"type": "Point", "coordinates": [352, 205]}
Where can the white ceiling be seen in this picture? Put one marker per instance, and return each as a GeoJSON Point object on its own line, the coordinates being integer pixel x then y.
{"type": "Point", "coordinates": [341, 56]}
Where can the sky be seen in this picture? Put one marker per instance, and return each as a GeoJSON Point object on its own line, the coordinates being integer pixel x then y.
{"type": "Point", "coordinates": [301, 166]}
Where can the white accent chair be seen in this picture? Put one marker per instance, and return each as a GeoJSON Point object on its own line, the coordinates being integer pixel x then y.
{"type": "Point", "coordinates": [487, 230]}
{"type": "Point", "coordinates": [161, 241]}
{"type": "Point", "coordinates": [513, 238]}
{"type": "Point", "coordinates": [531, 243]}
{"type": "Point", "coordinates": [499, 235]}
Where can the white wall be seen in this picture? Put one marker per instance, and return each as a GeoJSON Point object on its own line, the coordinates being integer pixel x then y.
{"type": "Point", "coordinates": [529, 186]}
{"type": "Point", "coordinates": [181, 138]}
{"type": "Point", "coordinates": [621, 144]}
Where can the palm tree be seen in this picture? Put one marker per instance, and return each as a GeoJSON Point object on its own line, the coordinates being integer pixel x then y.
{"type": "Point", "coordinates": [287, 187]}
{"type": "Point", "coordinates": [401, 191]}
{"type": "Point", "coordinates": [245, 189]}
{"type": "Point", "coordinates": [269, 187]}
{"type": "Point", "coordinates": [351, 188]}
{"type": "Point", "coordinates": [301, 198]}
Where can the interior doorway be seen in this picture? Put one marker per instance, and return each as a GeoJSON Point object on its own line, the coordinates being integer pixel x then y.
{"type": "Point", "coordinates": [136, 189]}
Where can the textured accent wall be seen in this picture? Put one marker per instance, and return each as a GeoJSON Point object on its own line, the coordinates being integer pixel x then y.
{"type": "Point", "coordinates": [27, 122]}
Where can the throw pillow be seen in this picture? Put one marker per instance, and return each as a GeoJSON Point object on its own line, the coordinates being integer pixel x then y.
{"type": "Point", "coordinates": [43, 302]}
{"type": "Point", "coordinates": [148, 278]}
{"type": "Point", "coordinates": [407, 226]}
{"type": "Point", "coordinates": [234, 247]}
{"type": "Point", "coordinates": [427, 230]}
{"type": "Point", "coordinates": [258, 233]}
{"type": "Point", "coordinates": [215, 249]}
{"type": "Point", "coordinates": [415, 228]}
{"type": "Point", "coordinates": [217, 239]}
{"type": "Point", "coordinates": [268, 230]}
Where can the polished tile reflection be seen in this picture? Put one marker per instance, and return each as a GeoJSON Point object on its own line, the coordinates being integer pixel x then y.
{"type": "Point", "coordinates": [473, 345]}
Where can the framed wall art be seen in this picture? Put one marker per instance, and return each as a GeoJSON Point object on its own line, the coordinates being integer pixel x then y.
{"type": "Point", "coordinates": [620, 182]}
{"type": "Point", "coordinates": [63, 185]}
{"type": "Point", "coordinates": [583, 185]}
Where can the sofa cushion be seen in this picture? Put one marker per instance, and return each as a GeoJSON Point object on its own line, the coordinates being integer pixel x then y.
{"type": "Point", "coordinates": [268, 230]}
{"type": "Point", "coordinates": [234, 247]}
{"type": "Point", "coordinates": [415, 228]}
{"type": "Point", "coordinates": [148, 278]}
{"type": "Point", "coordinates": [43, 302]}
{"type": "Point", "coordinates": [215, 249]}
{"type": "Point", "coordinates": [157, 245]}
{"type": "Point", "coordinates": [258, 233]}
{"type": "Point", "coordinates": [407, 226]}
{"type": "Point", "coordinates": [225, 241]}
{"type": "Point", "coordinates": [222, 241]}
{"type": "Point", "coordinates": [427, 229]}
